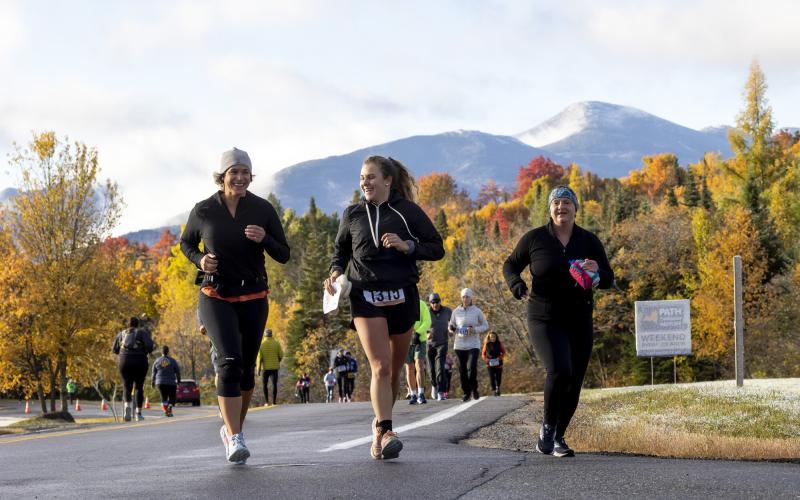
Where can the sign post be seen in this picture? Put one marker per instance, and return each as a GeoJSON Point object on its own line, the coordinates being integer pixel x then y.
{"type": "Point", "coordinates": [663, 328]}
{"type": "Point", "coordinates": [738, 319]}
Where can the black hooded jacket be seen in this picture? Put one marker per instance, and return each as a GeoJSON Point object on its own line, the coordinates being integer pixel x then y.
{"type": "Point", "coordinates": [240, 268]}
{"type": "Point", "coordinates": [372, 266]}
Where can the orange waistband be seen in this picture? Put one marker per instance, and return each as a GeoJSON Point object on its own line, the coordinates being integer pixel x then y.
{"type": "Point", "coordinates": [210, 292]}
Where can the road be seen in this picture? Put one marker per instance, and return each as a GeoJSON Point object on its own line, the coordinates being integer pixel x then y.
{"type": "Point", "coordinates": [321, 451]}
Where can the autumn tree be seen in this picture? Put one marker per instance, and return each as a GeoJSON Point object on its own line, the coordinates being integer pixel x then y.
{"type": "Point", "coordinates": [537, 168]}
{"type": "Point", "coordinates": [59, 220]}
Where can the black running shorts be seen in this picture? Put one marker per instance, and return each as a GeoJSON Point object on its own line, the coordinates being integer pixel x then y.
{"type": "Point", "coordinates": [399, 317]}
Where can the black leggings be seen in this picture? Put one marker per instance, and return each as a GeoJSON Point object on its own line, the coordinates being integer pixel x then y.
{"type": "Point", "coordinates": [495, 376]}
{"type": "Point", "coordinates": [341, 383]}
{"type": "Point", "coordinates": [349, 386]}
{"type": "Point", "coordinates": [235, 329]}
{"type": "Point", "coordinates": [167, 393]}
{"type": "Point", "coordinates": [436, 357]}
{"type": "Point", "coordinates": [563, 346]}
{"type": "Point", "coordinates": [468, 369]}
{"type": "Point", "coordinates": [266, 375]}
{"type": "Point", "coordinates": [133, 370]}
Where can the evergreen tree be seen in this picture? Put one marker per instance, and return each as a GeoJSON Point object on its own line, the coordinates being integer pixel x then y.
{"type": "Point", "coordinates": [275, 202]}
{"type": "Point", "coordinates": [308, 294]}
{"type": "Point", "coordinates": [672, 200]}
{"type": "Point", "coordinates": [705, 195]}
{"type": "Point", "coordinates": [767, 233]}
{"type": "Point", "coordinates": [441, 224]}
{"type": "Point", "coordinates": [691, 197]}
{"type": "Point", "coordinates": [356, 197]}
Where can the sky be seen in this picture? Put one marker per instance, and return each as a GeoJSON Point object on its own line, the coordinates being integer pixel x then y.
{"type": "Point", "coordinates": [161, 88]}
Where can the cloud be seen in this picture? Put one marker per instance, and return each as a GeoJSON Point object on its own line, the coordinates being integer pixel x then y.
{"type": "Point", "coordinates": [190, 24]}
{"type": "Point", "coordinates": [718, 32]}
{"type": "Point", "coordinates": [12, 28]}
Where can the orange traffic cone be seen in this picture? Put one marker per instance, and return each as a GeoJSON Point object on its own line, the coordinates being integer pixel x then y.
{"type": "Point", "coordinates": [103, 405]}
{"type": "Point", "coordinates": [27, 406]}
{"type": "Point", "coordinates": [77, 405]}
{"type": "Point", "coordinates": [147, 403]}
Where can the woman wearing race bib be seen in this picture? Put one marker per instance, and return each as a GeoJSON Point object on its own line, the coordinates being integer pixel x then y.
{"type": "Point", "coordinates": [468, 322]}
{"type": "Point", "coordinates": [493, 353]}
{"type": "Point", "coordinates": [379, 242]}
{"type": "Point", "coordinates": [565, 261]}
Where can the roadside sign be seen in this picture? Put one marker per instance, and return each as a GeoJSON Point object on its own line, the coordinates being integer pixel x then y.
{"type": "Point", "coordinates": [663, 328]}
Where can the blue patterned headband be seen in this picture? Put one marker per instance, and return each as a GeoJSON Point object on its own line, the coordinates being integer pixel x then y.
{"type": "Point", "coordinates": [563, 192]}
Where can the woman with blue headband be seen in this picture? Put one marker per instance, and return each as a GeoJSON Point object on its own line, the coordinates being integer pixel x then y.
{"type": "Point", "coordinates": [566, 263]}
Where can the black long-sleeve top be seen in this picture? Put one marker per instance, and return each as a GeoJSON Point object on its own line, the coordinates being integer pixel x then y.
{"type": "Point", "coordinates": [553, 290]}
{"type": "Point", "coordinates": [372, 265]}
{"type": "Point", "coordinates": [240, 268]}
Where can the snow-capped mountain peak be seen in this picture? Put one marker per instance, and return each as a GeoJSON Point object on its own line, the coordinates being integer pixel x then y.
{"type": "Point", "coordinates": [577, 117]}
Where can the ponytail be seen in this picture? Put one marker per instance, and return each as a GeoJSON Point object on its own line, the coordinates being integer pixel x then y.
{"type": "Point", "coordinates": [402, 181]}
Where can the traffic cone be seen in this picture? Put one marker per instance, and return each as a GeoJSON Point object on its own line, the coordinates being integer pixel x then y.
{"type": "Point", "coordinates": [77, 405]}
{"type": "Point", "coordinates": [103, 405]}
{"type": "Point", "coordinates": [147, 403]}
{"type": "Point", "coordinates": [27, 406]}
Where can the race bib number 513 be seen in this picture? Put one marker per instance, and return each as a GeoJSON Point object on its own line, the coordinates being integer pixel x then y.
{"type": "Point", "coordinates": [383, 298]}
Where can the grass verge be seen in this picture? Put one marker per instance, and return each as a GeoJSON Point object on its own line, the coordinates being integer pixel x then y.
{"type": "Point", "coordinates": [38, 424]}
{"type": "Point", "coordinates": [704, 420]}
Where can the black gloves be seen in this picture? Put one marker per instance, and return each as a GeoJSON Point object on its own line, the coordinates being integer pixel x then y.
{"type": "Point", "coordinates": [519, 290]}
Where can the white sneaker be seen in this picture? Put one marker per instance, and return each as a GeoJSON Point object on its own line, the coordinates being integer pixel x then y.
{"type": "Point", "coordinates": [237, 450]}
{"type": "Point", "coordinates": [434, 395]}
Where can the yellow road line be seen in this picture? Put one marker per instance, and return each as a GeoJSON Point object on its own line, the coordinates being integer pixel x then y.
{"type": "Point", "coordinates": [74, 432]}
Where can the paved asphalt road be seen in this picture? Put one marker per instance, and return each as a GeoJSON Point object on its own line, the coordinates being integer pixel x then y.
{"type": "Point", "coordinates": [293, 459]}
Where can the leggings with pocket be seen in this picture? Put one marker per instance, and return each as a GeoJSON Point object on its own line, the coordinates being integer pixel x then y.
{"type": "Point", "coordinates": [235, 329]}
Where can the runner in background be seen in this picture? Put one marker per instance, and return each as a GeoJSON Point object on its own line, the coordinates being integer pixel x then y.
{"type": "Point", "coordinates": [340, 366]}
{"type": "Point", "coordinates": [448, 374]}
{"type": "Point", "coordinates": [468, 322]}
{"type": "Point", "coordinates": [330, 383]}
{"type": "Point", "coordinates": [268, 363]}
{"type": "Point", "coordinates": [166, 376]}
{"type": "Point", "coordinates": [352, 371]}
{"type": "Point", "coordinates": [133, 345]}
{"type": "Point", "coordinates": [438, 337]}
{"type": "Point", "coordinates": [415, 361]}
{"type": "Point", "coordinates": [305, 388]}
{"type": "Point", "coordinates": [493, 353]}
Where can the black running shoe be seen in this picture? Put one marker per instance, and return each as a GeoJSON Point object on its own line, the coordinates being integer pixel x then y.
{"type": "Point", "coordinates": [546, 439]}
{"type": "Point", "coordinates": [465, 398]}
{"type": "Point", "coordinates": [475, 395]}
{"type": "Point", "coordinates": [562, 449]}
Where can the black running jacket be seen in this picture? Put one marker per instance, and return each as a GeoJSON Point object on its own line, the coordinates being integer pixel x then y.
{"type": "Point", "coordinates": [372, 266]}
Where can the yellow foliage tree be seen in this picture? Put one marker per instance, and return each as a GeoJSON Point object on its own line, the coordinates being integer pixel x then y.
{"type": "Point", "coordinates": [59, 221]}
{"type": "Point", "coordinates": [718, 241]}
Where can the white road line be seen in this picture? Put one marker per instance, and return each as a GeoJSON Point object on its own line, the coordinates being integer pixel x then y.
{"type": "Point", "coordinates": [436, 417]}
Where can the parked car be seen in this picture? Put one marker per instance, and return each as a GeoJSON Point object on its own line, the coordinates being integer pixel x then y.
{"type": "Point", "coordinates": [188, 392]}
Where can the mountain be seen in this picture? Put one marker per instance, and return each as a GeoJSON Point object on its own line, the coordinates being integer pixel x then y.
{"type": "Point", "coordinates": [150, 236]}
{"type": "Point", "coordinates": [7, 193]}
{"type": "Point", "coordinates": [471, 157]}
{"type": "Point", "coordinates": [610, 140]}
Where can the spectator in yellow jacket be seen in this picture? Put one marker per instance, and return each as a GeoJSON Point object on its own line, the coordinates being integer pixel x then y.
{"type": "Point", "coordinates": [267, 364]}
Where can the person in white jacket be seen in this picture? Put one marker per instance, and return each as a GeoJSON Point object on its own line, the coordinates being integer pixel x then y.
{"type": "Point", "coordinates": [468, 323]}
